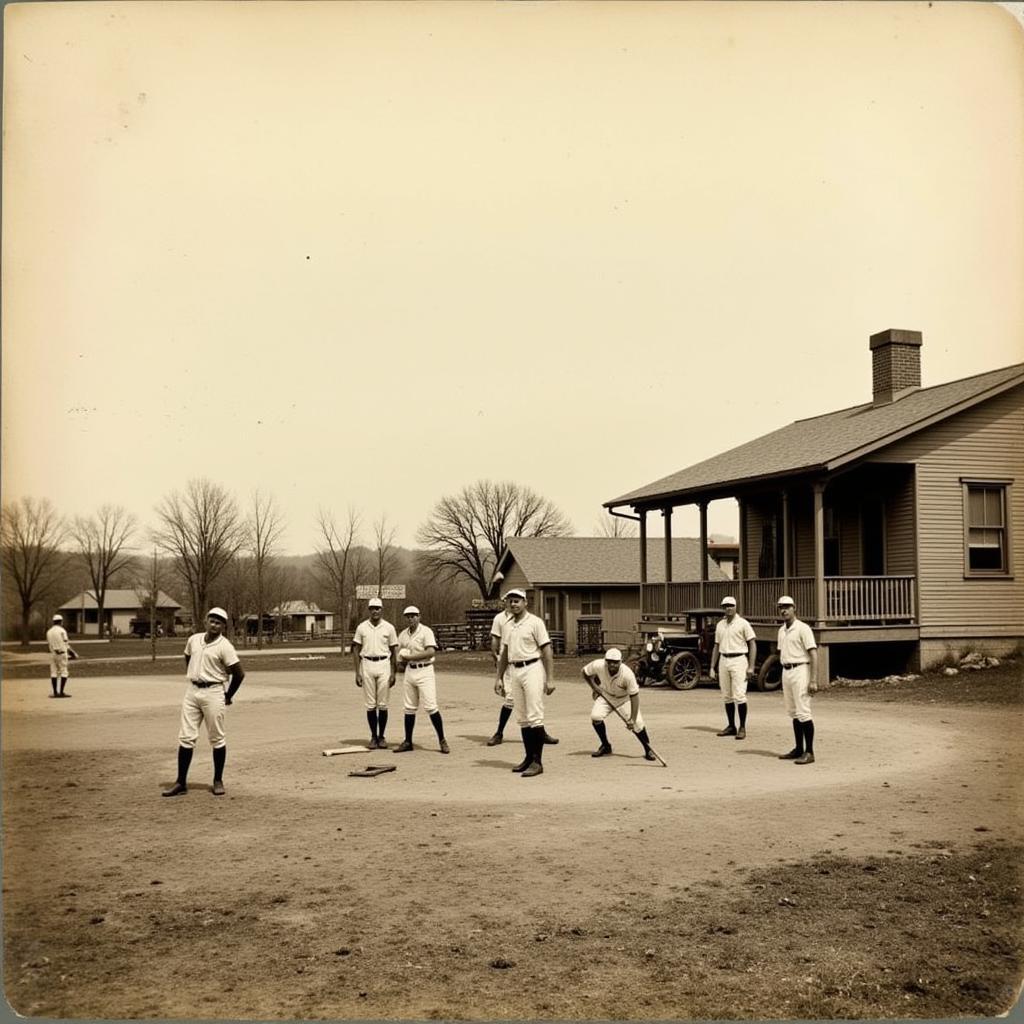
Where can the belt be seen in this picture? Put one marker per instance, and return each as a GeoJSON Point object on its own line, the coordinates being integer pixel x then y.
{"type": "Point", "coordinates": [794, 664]}
{"type": "Point", "coordinates": [523, 664]}
{"type": "Point", "coordinates": [420, 664]}
{"type": "Point", "coordinates": [58, 652]}
{"type": "Point", "coordinates": [741, 654]}
{"type": "Point", "coordinates": [375, 657]}
{"type": "Point", "coordinates": [203, 686]}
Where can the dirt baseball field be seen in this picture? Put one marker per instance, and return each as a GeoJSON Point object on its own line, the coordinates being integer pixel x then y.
{"type": "Point", "coordinates": [882, 881]}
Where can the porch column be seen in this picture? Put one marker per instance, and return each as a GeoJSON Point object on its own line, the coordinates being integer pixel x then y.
{"type": "Point", "coordinates": [667, 513]}
{"type": "Point", "coordinates": [703, 506]}
{"type": "Point", "coordinates": [819, 552]}
{"type": "Point", "coordinates": [740, 555]}
{"type": "Point", "coordinates": [643, 546]}
{"type": "Point", "coordinates": [785, 541]}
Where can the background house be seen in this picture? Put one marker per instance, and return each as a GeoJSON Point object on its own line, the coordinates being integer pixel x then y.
{"type": "Point", "coordinates": [293, 617]}
{"type": "Point", "coordinates": [894, 524]}
{"type": "Point", "coordinates": [122, 609]}
{"type": "Point", "coordinates": [588, 587]}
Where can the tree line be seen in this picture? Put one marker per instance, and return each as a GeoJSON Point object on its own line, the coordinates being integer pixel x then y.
{"type": "Point", "coordinates": [209, 549]}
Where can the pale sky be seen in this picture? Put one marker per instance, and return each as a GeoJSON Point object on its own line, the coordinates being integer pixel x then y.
{"type": "Point", "coordinates": [364, 254]}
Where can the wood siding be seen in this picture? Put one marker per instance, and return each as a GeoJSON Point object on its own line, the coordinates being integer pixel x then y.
{"type": "Point", "coordinates": [983, 442]}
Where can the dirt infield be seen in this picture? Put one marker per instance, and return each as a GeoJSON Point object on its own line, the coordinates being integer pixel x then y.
{"type": "Point", "coordinates": [454, 888]}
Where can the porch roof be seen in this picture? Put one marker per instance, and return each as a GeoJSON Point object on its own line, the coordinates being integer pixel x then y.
{"type": "Point", "coordinates": [824, 443]}
{"type": "Point", "coordinates": [602, 561]}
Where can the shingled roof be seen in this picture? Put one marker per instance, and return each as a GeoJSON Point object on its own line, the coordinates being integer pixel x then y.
{"type": "Point", "coordinates": [118, 600]}
{"type": "Point", "coordinates": [603, 561]}
{"type": "Point", "coordinates": [824, 443]}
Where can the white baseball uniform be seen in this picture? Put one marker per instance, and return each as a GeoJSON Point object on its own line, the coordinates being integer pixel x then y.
{"type": "Point", "coordinates": [616, 690]}
{"type": "Point", "coordinates": [731, 639]}
{"type": "Point", "coordinates": [501, 620]}
{"type": "Point", "coordinates": [209, 670]}
{"type": "Point", "coordinates": [523, 639]}
{"type": "Point", "coordinates": [796, 641]}
{"type": "Point", "coordinates": [375, 645]}
{"type": "Point", "coordinates": [420, 688]}
{"type": "Point", "coordinates": [57, 641]}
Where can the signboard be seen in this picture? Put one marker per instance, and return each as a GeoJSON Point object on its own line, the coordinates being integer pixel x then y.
{"type": "Point", "coordinates": [394, 591]}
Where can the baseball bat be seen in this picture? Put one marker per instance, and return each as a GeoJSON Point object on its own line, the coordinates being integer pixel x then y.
{"type": "Point", "coordinates": [331, 751]}
{"type": "Point", "coordinates": [597, 689]}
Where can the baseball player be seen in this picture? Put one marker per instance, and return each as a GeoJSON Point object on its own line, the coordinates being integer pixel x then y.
{"type": "Point", "coordinates": [373, 649]}
{"type": "Point", "coordinates": [60, 651]}
{"type": "Point", "coordinates": [497, 631]}
{"type": "Point", "coordinates": [416, 650]}
{"type": "Point", "coordinates": [526, 653]}
{"type": "Point", "coordinates": [733, 658]}
{"type": "Point", "coordinates": [798, 653]}
{"type": "Point", "coordinates": [211, 664]}
{"type": "Point", "coordinates": [617, 684]}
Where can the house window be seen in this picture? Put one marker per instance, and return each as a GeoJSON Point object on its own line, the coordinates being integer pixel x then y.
{"type": "Point", "coordinates": [986, 536]}
{"type": "Point", "coordinates": [831, 530]}
{"type": "Point", "coordinates": [590, 602]}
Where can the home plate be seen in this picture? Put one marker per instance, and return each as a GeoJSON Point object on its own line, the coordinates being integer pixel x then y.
{"type": "Point", "coordinates": [344, 750]}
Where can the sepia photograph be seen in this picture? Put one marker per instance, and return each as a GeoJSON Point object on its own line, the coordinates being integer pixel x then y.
{"type": "Point", "coordinates": [512, 510]}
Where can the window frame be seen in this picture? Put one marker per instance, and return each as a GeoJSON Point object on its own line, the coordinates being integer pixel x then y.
{"type": "Point", "coordinates": [1005, 486]}
{"type": "Point", "coordinates": [591, 593]}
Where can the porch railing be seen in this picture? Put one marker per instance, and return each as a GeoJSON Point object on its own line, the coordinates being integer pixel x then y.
{"type": "Point", "coordinates": [848, 599]}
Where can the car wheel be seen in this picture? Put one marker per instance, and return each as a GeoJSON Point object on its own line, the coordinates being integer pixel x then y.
{"type": "Point", "coordinates": [769, 676]}
{"type": "Point", "coordinates": [683, 671]}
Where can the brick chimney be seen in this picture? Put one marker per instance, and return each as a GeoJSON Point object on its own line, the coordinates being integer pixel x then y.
{"type": "Point", "coordinates": [895, 365]}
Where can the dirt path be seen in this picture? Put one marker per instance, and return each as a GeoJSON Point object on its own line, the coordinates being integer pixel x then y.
{"type": "Point", "coordinates": [320, 895]}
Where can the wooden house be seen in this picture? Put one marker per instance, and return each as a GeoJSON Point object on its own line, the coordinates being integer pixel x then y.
{"type": "Point", "coordinates": [124, 612]}
{"type": "Point", "coordinates": [896, 525]}
{"type": "Point", "coordinates": [588, 587]}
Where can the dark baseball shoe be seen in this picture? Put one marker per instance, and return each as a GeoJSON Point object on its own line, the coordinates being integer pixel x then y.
{"type": "Point", "coordinates": [805, 759]}
{"type": "Point", "coordinates": [741, 733]}
{"type": "Point", "coordinates": [649, 755]}
{"type": "Point", "coordinates": [524, 764]}
{"type": "Point", "coordinates": [218, 788]}
{"type": "Point", "coordinates": [444, 748]}
{"type": "Point", "coordinates": [495, 740]}
{"type": "Point", "coordinates": [792, 755]}
{"type": "Point", "coordinates": [535, 769]}
{"type": "Point", "coordinates": [549, 739]}
{"type": "Point", "coordinates": [63, 694]}
{"type": "Point", "coordinates": [382, 744]}
{"type": "Point", "coordinates": [729, 730]}
{"type": "Point", "coordinates": [402, 747]}
{"type": "Point", "coordinates": [176, 790]}
{"type": "Point", "coordinates": [602, 751]}
{"type": "Point", "coordinates": [372, 745]}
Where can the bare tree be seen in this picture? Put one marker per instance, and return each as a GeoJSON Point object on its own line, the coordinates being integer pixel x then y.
{"type": "Point", "coordinates": [148, 585]}
{"type": "Point", "coordinates": [339, 561]}
{"type": "Point", "coordinates": [31, 532]}
{"type": "Point", "coordinates": [385, 553]}
{"type": "Point", "coordinates": [263, 536]}
{"type": "Point", "coordinates": [103, 547]}
{"type": "Point", "coordinates": [235, 590]}
{"type": "Point", "coordinates": [615, 526]}
{"type": "Point", "coordinates": [201, 530]}
{"type": "Point", "coordinates": [466, 532]}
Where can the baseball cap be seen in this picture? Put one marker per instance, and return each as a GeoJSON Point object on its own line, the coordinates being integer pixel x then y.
{"type": "Point", "coordinates": [613, 654]}
{"type": "Point", "coordinates": [411, 610]}
{"type": "Point", "coordinates": [58, 618]}
{"type": "Point", "coordinates": [728, 600]}
{"type": "Point", "coordinates": [785, 599]}
{"type": "Point", "coordinates": [515, 592]}
{"type": "Point", "coordinates": [375, 602]}
{"type": "Point", "coordinates": [217, 613]}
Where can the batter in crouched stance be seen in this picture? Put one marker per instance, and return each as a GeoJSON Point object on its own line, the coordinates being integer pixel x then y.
{"type": "Point", "coordinates": [416, 650]}
{"type": "Point", "coordinates": [526, 653]}
{"type": "Point", "coordinates": [798, 653]}
{"type": "Point", "coordinates": [214, 675]}
{"type": "Point", "coordinates": [618, 686]}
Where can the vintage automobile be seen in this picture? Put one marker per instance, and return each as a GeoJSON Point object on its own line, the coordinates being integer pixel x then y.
{"type": "Point", "coordinates": [680, 656]}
